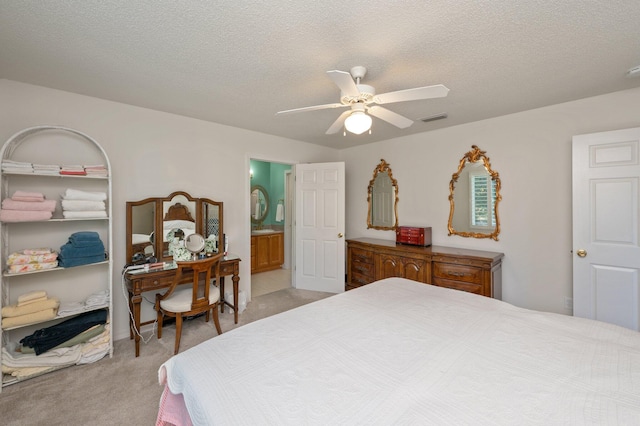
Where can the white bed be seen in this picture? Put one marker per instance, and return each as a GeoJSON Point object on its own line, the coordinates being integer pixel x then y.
{"type": "Point", "coordinates": [401, 352]}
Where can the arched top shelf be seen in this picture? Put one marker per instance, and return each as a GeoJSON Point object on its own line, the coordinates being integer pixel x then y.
{"type": "Point", "coordinates": [10, 146]}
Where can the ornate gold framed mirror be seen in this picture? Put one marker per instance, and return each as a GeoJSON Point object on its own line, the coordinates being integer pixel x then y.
{"type": "Point", "coordinates": [382, 199]}
{"type": "Point", "coordinates": [474, 195]}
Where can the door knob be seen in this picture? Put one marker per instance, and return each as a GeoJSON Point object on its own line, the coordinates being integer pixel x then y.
{"type": "Point", "coordinates": [340, 235]}
{"type": "Point", "coordinates": [581, 253]}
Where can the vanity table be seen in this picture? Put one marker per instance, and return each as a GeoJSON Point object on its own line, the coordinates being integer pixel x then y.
{"type": "Point", "coordinates": [158, 225]}
{"type": "Point", "coordinates": [140, 281]}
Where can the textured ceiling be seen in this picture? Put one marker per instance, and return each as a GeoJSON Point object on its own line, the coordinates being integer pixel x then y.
{"type": "Point", "coordinates": [239, 62]}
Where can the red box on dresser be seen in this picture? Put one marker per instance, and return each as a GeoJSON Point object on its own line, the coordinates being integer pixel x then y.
{"type": "Point", "coordinates": [413, 235]}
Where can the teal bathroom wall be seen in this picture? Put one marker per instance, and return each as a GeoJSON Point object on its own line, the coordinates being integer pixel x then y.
{"type": "Point", "coordinates": [271, 176]}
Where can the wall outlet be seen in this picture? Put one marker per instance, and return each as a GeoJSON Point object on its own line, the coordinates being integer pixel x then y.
{"type": "Point", "coordinates": [568, 302]}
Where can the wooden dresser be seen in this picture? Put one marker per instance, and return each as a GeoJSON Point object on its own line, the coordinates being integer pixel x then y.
{"type": "Point", "coordinates": [475, 271]}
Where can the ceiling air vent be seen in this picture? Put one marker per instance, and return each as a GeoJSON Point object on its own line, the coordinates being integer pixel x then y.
{"type": "Point", "coordinates": [434, 117]}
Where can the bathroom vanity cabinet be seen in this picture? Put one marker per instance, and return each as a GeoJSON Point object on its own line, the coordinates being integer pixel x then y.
{"type": "Point", "coordinates": [267, 251]}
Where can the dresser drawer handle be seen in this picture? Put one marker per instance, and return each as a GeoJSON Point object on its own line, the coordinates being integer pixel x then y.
{"type": "Point", "coordinates": [456, 274]}
{"type": "Point", "coordinates": [360, 268]}
{"type": "Point", "coordinates": [155, 282]}
{"type": "Point", "coordinates": [360, 281]}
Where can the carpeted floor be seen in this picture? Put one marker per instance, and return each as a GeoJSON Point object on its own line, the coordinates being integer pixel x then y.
{"type": "Point", "coordinates": [124, 390]}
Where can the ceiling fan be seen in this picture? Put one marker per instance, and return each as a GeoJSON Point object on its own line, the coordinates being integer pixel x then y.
{"type": "Point", "coordinates": [362, 99]}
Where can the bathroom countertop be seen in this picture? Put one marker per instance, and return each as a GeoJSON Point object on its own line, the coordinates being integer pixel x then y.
{"type": "Point", "coordinates": [265, 231]}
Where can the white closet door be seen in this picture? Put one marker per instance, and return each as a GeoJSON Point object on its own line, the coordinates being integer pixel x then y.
{"type": "Point", "coordinates": [606, 252]}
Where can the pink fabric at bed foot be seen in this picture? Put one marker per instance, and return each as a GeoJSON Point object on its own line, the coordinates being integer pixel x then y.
{"type": "Point", "coordinates": [172, 410]}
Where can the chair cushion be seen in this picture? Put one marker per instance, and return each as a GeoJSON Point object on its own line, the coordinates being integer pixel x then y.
{"type": "Point", "coordinates": [180, 300]}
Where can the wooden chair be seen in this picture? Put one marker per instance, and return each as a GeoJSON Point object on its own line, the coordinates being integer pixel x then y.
{"type": "Point", "coordinates": [188, 300]}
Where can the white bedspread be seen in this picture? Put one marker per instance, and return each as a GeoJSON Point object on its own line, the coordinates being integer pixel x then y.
{"type": "Point", "coordinates": [401, 352]}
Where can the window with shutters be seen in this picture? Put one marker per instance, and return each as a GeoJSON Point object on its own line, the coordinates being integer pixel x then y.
{"type": "Point", "coordinates": [483, 198]}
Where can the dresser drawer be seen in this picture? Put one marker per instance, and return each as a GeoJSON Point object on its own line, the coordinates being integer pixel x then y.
{"type": "Point", "coordinates": [361, 256]}
{"type": "Point", "coordinates": [362, 269]}
{"type": "Point", "coordinates": [464, 273]}
{"type": "Point", "coordinates": [150, 282]}
{"type": "Point", "coordinates": [227, 269]}
{"type": "Point", "coordinates": [459, 285]}
{"type": "Point", "coordinates": [358, 280]}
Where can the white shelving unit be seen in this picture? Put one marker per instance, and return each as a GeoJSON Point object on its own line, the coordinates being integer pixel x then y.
{"type": "Point", "coordinates": [61, 146]}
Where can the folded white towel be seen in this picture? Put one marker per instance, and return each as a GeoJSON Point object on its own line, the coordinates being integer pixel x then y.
{"type": "Point", "coordinates": [69, 308]}
{"type": "Point", "coordinates": [85, 214]}
{"type": "Point", "coordinates": [279, 213]}
{"type": "Point", "coordinates": [97, 299]}
{"type": "Point", "coordinates": [83, 205]}
{"type": "Point", "coordinates": [59, 357]}
{"type": "Point", "coordinates": [76, 194]}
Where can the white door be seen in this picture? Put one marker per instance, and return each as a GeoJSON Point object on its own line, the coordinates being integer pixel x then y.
{"type": "Point", "coordinates": [288, 231]}
{"type": "Point", "coordinates": [606, 256]}
{"type": "Point", "coordinates": [319, 227]}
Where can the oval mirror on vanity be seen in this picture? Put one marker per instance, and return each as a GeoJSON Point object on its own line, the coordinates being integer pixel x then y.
{"type": "Point", "coordinates": [259, 204]}
{"type": "Point", "coordinates": [382, 199]}
{"type": "Point", "coordinates": [194, 243]}
{"type": "Point", "coordinates": [474, 194]}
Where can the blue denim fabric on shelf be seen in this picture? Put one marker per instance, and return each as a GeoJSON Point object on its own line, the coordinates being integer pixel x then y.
{"type": "Point", "coordinates": [50, 337]}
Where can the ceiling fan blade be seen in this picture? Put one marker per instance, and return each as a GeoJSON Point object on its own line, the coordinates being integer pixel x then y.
{"type": "Point", "coordinates": [390, 117]}
{"type": "Point", "coordinates": [345, 82]}
{"type": "Point", "coordinates": [312, 108]}
{"type": "Point", "coordinates": [337, 125]}
{"type": "Point", "coordinates": [427, 92]}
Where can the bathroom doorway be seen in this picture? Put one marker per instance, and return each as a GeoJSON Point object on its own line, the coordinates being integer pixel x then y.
{"type": "Point", "coordinates": [270, 215]}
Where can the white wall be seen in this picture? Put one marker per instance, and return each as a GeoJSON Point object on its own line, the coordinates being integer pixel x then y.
{"type": "Point", "coordinates": [153, 154]}
{"type": "Point", "coordinates": [535, 212]}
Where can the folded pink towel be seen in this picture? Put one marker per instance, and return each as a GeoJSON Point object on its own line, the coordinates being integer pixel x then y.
{"type": "Point", "coordinates": [23, 216]}
{"type": "Point", "coordinates": [27, 196]}
{"type": "Point", "coordinates": [46, 205]}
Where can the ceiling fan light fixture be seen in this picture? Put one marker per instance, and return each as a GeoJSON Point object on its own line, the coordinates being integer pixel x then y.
{"type": "Point", "coordinates": [358, 122]}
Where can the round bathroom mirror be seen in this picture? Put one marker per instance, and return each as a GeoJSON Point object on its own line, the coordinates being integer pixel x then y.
{"type": "Point", "coordinates": [259, 204]}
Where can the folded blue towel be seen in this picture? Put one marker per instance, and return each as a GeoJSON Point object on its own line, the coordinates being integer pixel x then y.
{"type": "Point", "coordinates": [84, 238]}
{"type": "Point", "coordinates": [77, 261]}
{"type": "Point", "coordinates": [69, 251]}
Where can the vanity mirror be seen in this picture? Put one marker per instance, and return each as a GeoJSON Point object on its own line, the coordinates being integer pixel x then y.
{"type": "Point", "coordinates": [474, 194]}
{"type": "Point", "coordinates": [259, 204]}
{"type": "Point", "coordinates": [155, 223]}
{"type": "Point", "coordinates": [382, 199]}
{"type": "Point", "coordinates": [141, 222]}
{"type": "Point", "coordinates": [178, 221]}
